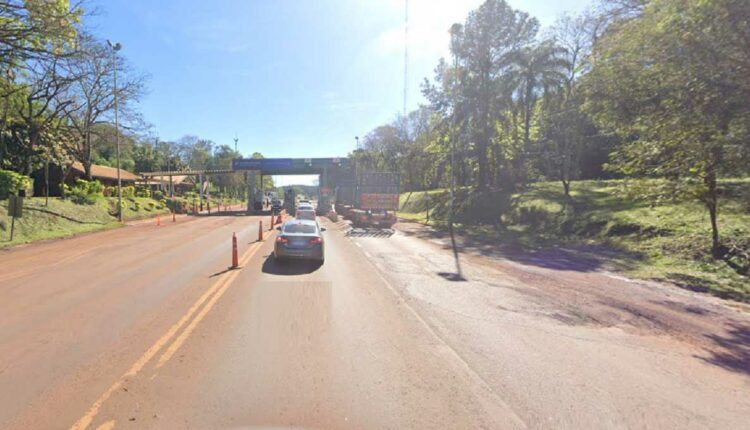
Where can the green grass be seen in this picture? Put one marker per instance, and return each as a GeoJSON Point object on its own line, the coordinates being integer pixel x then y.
{"type": "Point", "coordinates": [667, 239]}
{"type": "Point", "coordinates": [63, 218]}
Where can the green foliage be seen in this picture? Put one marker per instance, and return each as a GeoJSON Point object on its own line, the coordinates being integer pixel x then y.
{"type": "Point", "coordinates": [12, 182]}
{"type": "Point", "coordinates": [158, 195]}
{"type": "Point", "coordinates": [85, 192]}
{"type": "Point", "coordinates": [664, 238]}
{"type": "Point", "coordinates": [142, 191]}
{"type": "Point", "coordinates": [128, 192]}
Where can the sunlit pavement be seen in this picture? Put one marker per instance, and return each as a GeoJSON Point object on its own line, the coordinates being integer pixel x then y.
{"type": "Point", "coordinates": [147, 327]}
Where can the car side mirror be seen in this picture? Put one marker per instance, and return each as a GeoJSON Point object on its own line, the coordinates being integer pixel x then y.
{"type": "Point", "coordinates": [278, 228]}
{"type": "Point", "coordinates": [322, 229]}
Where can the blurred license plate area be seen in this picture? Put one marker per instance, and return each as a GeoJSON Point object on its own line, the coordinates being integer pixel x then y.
{"type": "Point", "coordinates": [298, 243]}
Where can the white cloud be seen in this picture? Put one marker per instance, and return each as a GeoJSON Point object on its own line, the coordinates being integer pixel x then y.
{"type": "Point", "coordinates": [429, 22]}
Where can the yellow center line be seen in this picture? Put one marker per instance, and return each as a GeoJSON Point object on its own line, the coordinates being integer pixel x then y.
{"type": "Point", "coordinates": [224, 281]}
{"type": "Point", "coordinates": [109, 425]}
{"type": "Point", "coordinates": [202, 314]}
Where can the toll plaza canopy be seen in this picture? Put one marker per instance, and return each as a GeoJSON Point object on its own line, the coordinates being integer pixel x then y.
{"type": "Point", "coordinates": [291, 166]}
{"type": "Point", "coordinates": [330, 170]}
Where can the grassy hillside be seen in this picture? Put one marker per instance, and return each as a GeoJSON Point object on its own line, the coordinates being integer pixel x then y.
{"type": "Point", "coordinates": [64, 218]}
{"type": "Point", "coordinates": [665, 239]}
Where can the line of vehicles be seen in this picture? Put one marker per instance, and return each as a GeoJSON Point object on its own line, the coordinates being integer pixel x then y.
{"type": "Point", "coordinates": [301, 237]}
{"type": "Point", "coordinates": [370, 200]}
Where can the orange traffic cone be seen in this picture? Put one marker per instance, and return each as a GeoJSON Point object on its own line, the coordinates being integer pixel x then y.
{"type": "Point", "coordinates": [158, 220]}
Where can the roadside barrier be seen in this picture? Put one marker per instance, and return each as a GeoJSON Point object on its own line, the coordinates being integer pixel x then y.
{"type": "Point", "coordinates": [270, 227]}
{"type": "Point", "coordinates": [235, 262]}
{"type": "Point", "coordinates": [174, 217]}
{"type": "Point", "coordinates": [158, 220]}
{"type": "Point", "coordinates": [260, 231]}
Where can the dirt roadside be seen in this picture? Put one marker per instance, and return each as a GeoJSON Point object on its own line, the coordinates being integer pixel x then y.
{"type": "Point", "coordinates": [585, 290]}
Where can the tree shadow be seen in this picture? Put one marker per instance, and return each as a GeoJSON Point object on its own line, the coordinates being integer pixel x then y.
{"type": "Point", "coordinates": [370, 232]}
{"type": "Point", "coordinates": [453, 277]}
{"type": "Point", "coordinates": [232, 213]}
{"type": "Point", "coordinates": [289, 267]}
{"type": "Point", "coordinates": [732, 351]}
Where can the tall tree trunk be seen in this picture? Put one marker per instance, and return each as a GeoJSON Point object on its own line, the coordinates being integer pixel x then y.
{"type": "Point", "coordinates": [712, 203]}
{"type": "Point", "coordinates": [87, 157]}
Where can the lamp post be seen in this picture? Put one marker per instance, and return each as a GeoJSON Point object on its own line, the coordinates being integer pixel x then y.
{"type": "Point", "coordinates": [116, 47]}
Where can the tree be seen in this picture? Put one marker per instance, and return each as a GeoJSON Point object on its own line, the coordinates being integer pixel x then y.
{"type": "Point", "coordinates": [565, 127]}
{"type": "Point", "coordinates": [33, 117]}
{"type": "Point", "coordinates": [537, 72]}
{"type": "Point", "coordinates": [36, 30]}
{"type": "Point", "coordinates": [92, 93]}
{"type": "Point", "coordinates": [472, 89]}
{"type": "Point", "coordinates": [673, 83]}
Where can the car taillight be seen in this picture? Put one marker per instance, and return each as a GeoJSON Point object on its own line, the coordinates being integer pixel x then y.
{"type": "Point", "coordinates": [281, 239]}
{"type": "Point", "coordinates": [316, 240]}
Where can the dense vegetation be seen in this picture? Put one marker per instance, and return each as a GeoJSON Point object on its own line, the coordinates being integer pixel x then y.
{"type": "Point", "coordinates": [629, 89]}
{"type": "Point", "coordinates": [608, 223]}
{"type": "Point", "coordinates": [57, 101]}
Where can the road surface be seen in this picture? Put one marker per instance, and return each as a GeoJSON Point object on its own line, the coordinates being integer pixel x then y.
{"type": "Point", "coordinates": [145, 327]}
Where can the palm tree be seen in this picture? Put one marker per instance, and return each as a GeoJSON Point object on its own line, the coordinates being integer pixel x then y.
{"type": "Point", "coordinates": [535, 72]}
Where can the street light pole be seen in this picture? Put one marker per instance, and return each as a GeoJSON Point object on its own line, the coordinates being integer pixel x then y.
{"type": "Point", "coordinates": [116, 47]}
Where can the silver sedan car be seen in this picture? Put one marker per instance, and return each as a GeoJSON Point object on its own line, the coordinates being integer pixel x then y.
{"type": "Point", "coordinates": [300, 239]}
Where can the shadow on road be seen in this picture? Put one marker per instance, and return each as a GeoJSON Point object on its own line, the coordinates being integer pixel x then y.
{"type": "Point", "coordinates": [221, 213]}
{"type": "Point", "coordinates": [733, 351]}
{"type": "Point", "coordinates": [575, 259]}
{"type": "Point", "coordinates": [289, 267]}
{"type": "Point", "coordinates": [453, 277]}
{"type": "Point", "coordinates": [370, 232]}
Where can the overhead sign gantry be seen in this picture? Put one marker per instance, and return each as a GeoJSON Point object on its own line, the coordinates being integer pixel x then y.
{"type": "Point", "coordinates": [330, 171]}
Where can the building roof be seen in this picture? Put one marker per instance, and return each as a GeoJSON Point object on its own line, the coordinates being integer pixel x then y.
{"type": "Point", "coordinates": [176, 180]}
{"type": "Point", "coordinates": [106, 172]}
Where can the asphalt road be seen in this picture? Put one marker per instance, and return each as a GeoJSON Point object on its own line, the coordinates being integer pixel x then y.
{"type": "Point", "coordinates": [144, 327]}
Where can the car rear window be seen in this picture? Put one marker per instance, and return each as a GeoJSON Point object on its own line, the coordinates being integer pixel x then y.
{"type": "Point", "coordinates": [306, 214]}
{"type": "Point", "coordinates": [300, 228]}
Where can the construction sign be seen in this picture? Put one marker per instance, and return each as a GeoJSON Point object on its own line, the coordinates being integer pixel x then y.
{"type": "Point", "coordinates": [379, 201]}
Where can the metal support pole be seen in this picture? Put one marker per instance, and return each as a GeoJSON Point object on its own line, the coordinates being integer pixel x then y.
{"type": "Point", "coordinates": [116, 47]}
{"type": "Point", "coordinates": [46, 183]}
{"type": "Point", "coordinates": [200, 192]}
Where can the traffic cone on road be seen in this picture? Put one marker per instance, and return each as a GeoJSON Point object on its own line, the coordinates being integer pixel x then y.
{"type": "Point", "coordinates": [174, 217]}
{"type": "Point", "coordinates": [235, 262]}
{"type": "Point", "coordinates": [158, 220]}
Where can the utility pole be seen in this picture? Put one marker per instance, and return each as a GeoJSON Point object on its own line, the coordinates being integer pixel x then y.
{"type": "Point", "coordinates": [235, 143]}
{"type": "Point", "coordinates": [116, 47]}
{"type": "Point", "coordinates": [459, 275]}
{"type": "Point", "coordinates": [406, 52]}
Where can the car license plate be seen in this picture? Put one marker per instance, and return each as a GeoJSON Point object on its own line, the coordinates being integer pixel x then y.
{"type": "Point", "coordinates": [298, 243]}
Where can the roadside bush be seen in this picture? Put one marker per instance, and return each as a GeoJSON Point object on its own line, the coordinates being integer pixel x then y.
{"type": "Point", "coordinates": [12, 182]}
{"type": "Point", "coordinates": [137, 206]}
{"type": "Point", "coordinates": [85, 192]}
{"type": "Point", "coordinates": [142, 192]}
{"type": "Point", "coordinates": [158, 195]}
{"type": "Point", "coordinates": [128, 192]}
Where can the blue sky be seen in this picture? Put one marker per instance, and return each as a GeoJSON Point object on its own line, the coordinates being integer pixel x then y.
{"type": "Point", "coordinates": [291, 78]}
